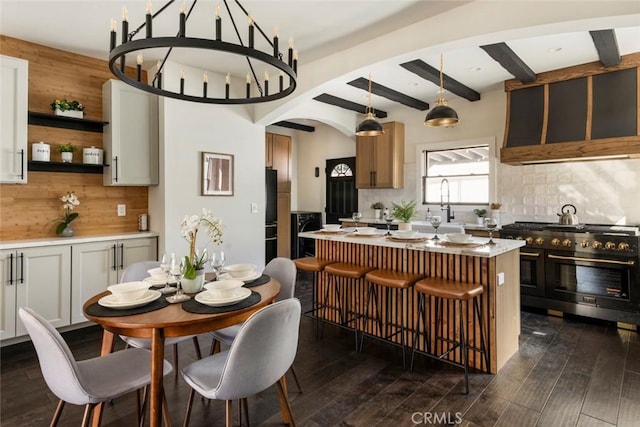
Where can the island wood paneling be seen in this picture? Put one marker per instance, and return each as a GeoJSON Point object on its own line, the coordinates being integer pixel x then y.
{"type": "Point", "coordinates": [26, 211]}
{"type": "Point", "coordinates": [462, 268]}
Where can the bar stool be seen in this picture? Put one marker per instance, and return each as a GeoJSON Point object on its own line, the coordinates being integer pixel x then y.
{"type": "Point", "coordinates": [442, 289]}
{"type": "Point", "coordinates": [353, 273]}
{"type": "Point", "coordinates": [316, 266]}
{"type": "Point", "coordinates": [391, 282]}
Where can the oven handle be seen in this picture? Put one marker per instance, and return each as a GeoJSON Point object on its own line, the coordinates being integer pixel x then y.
{"type": "Point", "coordinates": [530, 254]}
{"type": "Point", "coordinates": [601, 261]}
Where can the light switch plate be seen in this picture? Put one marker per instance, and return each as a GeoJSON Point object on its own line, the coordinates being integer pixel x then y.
{"type": "Point", "coordinates": [122, 210]}
{"type": "Point", "coordinates": [500, 279]}
{"type": "Point", "coordinates": [254, 208]}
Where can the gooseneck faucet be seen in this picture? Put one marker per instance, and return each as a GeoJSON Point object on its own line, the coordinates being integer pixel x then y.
{"type": "Point", "coordinates": [450, 215]}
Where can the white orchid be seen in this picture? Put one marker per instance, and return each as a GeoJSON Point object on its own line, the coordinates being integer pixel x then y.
{"type": "Point", "coordinates": [189, 227]}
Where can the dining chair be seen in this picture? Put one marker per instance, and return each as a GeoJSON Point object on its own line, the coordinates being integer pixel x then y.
{"type": "Point", "coordinates": [86, 382]}
{"type": "Point", "coordinates": [260, 355]}
{"type": "Point", "coordinates": [284, 271]}
{"type": "Point", "coordinates": [138, 271]}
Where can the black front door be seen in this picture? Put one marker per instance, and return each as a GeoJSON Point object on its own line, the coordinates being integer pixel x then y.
{"type": "Point", "coordinates": [342, 195]}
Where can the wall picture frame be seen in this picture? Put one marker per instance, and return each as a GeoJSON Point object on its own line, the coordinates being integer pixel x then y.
{"type": "Point", "coordinates": [217, 174]}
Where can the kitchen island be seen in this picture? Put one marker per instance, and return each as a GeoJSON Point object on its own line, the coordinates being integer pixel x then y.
{"type": "Point", "coordinates": [496, 267]}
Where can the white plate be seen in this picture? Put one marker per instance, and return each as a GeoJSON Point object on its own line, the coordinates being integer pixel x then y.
{"type": "Point", "coordinates": [414, 237]}
{"type": "Point", "coordinates": [110, 300]}
{"type": "Point", "coordinates": [471, 241]}
{"type": "Point", "coordinates": [152, 281]}
{"type": "Point", "coordinates": [357, 233]}
{"type": "Point", "coordinates": [249, 278]}
{"type": "Point", "coordinates": [238, 295]}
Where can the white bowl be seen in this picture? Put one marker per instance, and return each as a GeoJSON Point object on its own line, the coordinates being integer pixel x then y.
{"type": "Point", "coordinates": [405, 233]}
{"type": "Point", "coordinates": [157, 273]}
{"type": "Point", "coordinates": [240, 270]}
{"type": "Point", "coordinates": [366, 230]}
{"type": "Point", "coordinates": [128, 291]}
{"type": "Point", "coordinates": [331, 227]}
{"type": "Point", "coordinates": [458, 237]}
{"type": "Point", "coordinates": [220, 289]}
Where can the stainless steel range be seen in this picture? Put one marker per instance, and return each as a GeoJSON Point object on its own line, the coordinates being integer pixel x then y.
{"type": "Point", "coordinates": [588, 269]}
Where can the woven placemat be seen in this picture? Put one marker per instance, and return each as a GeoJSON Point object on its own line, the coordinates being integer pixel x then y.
{"type": "Point", "coordinates": [96, 309]}
{"type": "Point", "coordinates": [402, 240]}
{"type": "Point", "coordinates": [460, 245]}
{"type": "Point", "coordinates": [193, 306]}
{"type": "Point", "coordinates": [259, 281]}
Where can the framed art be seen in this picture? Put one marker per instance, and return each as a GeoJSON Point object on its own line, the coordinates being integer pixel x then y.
{"type": "Point", "coordinates": [217, 174]}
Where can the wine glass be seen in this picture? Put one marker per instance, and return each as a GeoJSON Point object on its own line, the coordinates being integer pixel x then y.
{"type": "Point", "coordinates": [217, 262]}
{"type": "Point", "coordinates": [435, 222]}
{"type": "Point", "coordinates": [389, 220]}
{"type": "Point", "coordinates": [491, 224]}
{"type": "Point", "coordinates": [177, 272]}
{"type": "Point", "coordinates": [356, 216]}
{"type": "Point", "coordinates": [165, 265]}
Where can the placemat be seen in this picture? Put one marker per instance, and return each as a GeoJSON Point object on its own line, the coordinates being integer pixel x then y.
{"type": "Point", "coordinates": [403, 240]}
{"type": "Point", "coordinates": [330, 232]}
{"type": "Point", "coordinates": [364, 235]}
{"type": "Point", "coordinates": [193, 306]}
{"type": "Point", "coordinates": [96, 309]}
{"type": "Point", "coordinates": [460, 245]}
{"type": "Point", "coordinates": [257, 282]}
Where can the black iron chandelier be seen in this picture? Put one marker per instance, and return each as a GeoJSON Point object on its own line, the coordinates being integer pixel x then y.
{"type": "Point", "coordinates": [129, 45]}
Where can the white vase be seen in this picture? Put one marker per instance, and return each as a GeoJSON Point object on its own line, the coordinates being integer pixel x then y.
{"type": "Point", "coordinates": [67, 157]}
{"type": "Point", "coordinates": [191, 286]}
{"type": "Point", "coordinates": [480, 220]}
{"type": "Point", "coordinates": [377, 213]}
{"type": "Point", "coordinates": [495, 214]}
{"type": "Point", "coordinates": [402, 226]}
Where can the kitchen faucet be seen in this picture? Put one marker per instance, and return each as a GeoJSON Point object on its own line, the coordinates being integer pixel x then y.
{"type": "Point", "coordinates": [450, 215]}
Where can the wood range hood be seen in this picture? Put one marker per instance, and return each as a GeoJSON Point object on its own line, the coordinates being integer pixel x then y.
{"type": "Point", "coordinates": [586, 112]}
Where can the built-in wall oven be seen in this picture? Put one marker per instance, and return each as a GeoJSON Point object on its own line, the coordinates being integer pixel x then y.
{"type": "Point", "coordinates": [532, 271]}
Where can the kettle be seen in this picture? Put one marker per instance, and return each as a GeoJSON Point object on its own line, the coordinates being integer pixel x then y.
{"type": "Point", "coordinates": [567, 218]}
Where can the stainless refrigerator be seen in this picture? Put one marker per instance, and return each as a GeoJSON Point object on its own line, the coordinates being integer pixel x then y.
{"type": "Point", "coordinates": [271, 215]}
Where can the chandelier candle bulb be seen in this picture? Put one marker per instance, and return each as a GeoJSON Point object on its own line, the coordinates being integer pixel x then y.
{"type": "Point", "coordinates": [218, 23]}
{"type": "Point", "coordinates": [205, 81]}
{"type": "Point", "coordinates": [139, 61]}
{"type": "Point", "coordinates": [183, 20]}
{"type": "Point", "coordinates": [148, 25]}
{"type": "Point", "coordinates": [251, 31]}
{"type": "Point", "coordinates": [275, 42]}
{"type": "Point", "coordinates": [227, 81]}
{"type": "Point", "coordinates": [281, 81]}
{"type": "Point", "coordinates": [181, 82]}
{"type": "Point", "coordinates": [248, 85]}
{"type": "Point", "coordinates": [290, 52]}
{"type": "Point", "coordinates": [125, 26]}
{"type": "Point", "coordinates": [112, 43]}
{"type": "Point", "coordinates": [295, 61]}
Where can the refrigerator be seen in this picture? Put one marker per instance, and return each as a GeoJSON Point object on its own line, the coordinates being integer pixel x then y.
{"type": "Point", "coordinates": [271, 215]}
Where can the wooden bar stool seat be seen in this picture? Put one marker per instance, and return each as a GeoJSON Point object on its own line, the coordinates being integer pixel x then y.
{"type": "Point", "coordinates": [351, 272]}
{"type": "Point", "coordinates": [391, 282]}
{"type": "Point", "coordinates": [441, 289]}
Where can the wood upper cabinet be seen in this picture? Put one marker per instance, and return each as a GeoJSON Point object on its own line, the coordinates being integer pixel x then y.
{"type": "Point", "coordinates": [278, 154]}
{"type": "Point", "coordinates": [380, 159]}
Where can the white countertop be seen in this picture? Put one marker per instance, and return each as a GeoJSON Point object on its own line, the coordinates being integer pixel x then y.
{"type": "Point", "coordinates": [486, 251]}
{"type": "Point", "coordinates": [54, 241]}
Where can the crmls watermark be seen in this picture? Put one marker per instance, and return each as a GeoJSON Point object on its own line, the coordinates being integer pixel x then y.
{"type": "Point", "coordinates": [436, 418]}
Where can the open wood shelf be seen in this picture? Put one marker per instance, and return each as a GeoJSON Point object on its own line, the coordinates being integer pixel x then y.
{"type": "Point", "coordinates": [51, 120]}
{"type": "Point", "coordinates": [64, 167]}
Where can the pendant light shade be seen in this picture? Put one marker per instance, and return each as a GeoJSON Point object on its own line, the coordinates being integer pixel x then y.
{"type": "Point", "coordinates": [369, 126]}
{"type": "Point", "coordinates": [441, 115]}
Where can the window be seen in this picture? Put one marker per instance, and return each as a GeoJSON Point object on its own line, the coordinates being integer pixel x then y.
{"type": "Point", "coordinates": [341, 170]}
{"type": "Point", "coordinates": [466, 171]}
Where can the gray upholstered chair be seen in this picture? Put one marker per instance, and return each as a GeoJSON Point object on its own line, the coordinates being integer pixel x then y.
{"type": "Point", "coordinates": [87, 382]}
{"type": "Point", "coordinates": [259, 356]}
{"type": "Point", "coordinates": [138, 271]}
{"type": "Point", "coordinates": [284, 271]}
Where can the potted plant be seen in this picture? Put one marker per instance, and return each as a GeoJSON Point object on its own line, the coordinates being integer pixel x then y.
{"type": "Point", "coordinates": [480, 213]}
{"type": "Point", "coordinates": [377, 209]}
{"type": "Point", "coordinates": [194, 263]}
{"type": "Point", "coordinates": [66, 151]}
{"type": "Point", "coordinates": [69, 202]}
{"type": "Point", "coordinates": [62, 107]}
{"type": "Point", "coordinates": [403, 212]}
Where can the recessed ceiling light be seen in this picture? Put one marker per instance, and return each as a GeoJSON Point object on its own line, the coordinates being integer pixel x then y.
{"type": "Point", "coordinates": [554, 49]}
{"type": "Point", "coordinates": [412, 84]}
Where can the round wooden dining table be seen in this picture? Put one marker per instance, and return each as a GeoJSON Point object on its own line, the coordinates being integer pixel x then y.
{"type": "Point", "coordinates": [170, 321]}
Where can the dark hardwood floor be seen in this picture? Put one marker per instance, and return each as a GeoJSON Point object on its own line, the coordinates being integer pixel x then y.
{"type": "Point", "coordinates": [568, 372]}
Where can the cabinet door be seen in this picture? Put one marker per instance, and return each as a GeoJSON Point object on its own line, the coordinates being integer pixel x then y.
{"type": "Point", "coordinates": [365, 156]}
{"type": "Point", "coordinates": [284, 225]}
{"type": "Point", "coordinates": [130, 140]}
{"type": "Point", "coordinates": [46, 272]}
{"type": "Point", "coordinates": [136, 250]}
{"type": "Point", "coordinates": [282, 161]}
{"type": "Point", "coordinates": [9, 276]}
{"type": "Point", "coordinates": [384, 159]}
{"type": "Point", "coordinates": [13, 120]}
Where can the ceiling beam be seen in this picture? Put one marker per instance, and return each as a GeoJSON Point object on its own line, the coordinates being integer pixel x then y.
{"type": "Point", "coordinates": [607, 46]}
{"type": "Point", "coordinates": [296, 126]}
{"type": "Point", "coordinates": [348, 105]}
{"type": "Point", "coordinates": [511, 62]}
{"type": "Point", "coordinates": [431, 74]}
{"type": "Point", "coordinates": [393, 95]}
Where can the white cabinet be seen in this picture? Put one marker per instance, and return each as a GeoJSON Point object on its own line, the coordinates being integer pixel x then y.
{"type": "Point", "coordinates": [38, 278]}
{"type": "Point", "coordinates": [130, 140]}
{"type": "Point", "coordinates": [13, 120]}
{"type": "Point", "coordinates": [97, 265]}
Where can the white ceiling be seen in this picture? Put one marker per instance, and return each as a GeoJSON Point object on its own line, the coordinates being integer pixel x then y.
{"type": "Point", "coordinates": [319, 28]}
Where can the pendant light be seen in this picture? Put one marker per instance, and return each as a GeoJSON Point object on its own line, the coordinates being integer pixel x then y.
{"type": "Point", "coordinates": [441, 115]}
{"type": "Point", "coordinates": [369, 126]}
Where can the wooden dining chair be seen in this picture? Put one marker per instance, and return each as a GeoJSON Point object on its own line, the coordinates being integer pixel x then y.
{"type": "Point", "coordinates": [138, 271]}
{"type": "Point", "coordinates": [260, 355]}
{"type": "Point", "coordinates": [87, 382]}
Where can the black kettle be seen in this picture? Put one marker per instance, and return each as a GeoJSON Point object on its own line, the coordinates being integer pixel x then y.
{"type": "Point", "coordinates": [568, 218]}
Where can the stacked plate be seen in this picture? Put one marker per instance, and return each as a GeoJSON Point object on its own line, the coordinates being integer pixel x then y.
{"type": "Point", "coordinates": [218, 299]}
{"type": "Point", "coordinates": [253, 275]}
{"type": "Point", "coordinates": [110, 301]}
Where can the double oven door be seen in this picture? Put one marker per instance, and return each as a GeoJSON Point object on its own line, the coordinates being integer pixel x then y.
{"type": "Point", "coordinates": [599, 281]}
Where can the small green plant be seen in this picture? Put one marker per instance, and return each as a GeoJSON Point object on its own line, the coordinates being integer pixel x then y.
{"type": "Point", "coordinates": [64, 105]}
{"type": "Point", "coordinates": [377, 205]}
{"type": "Point", "coordinates": [66, 148]}
{"type": "Point", "coordinates": [480, 212]}
{"type": "Point", "coordinates": [403, 211]}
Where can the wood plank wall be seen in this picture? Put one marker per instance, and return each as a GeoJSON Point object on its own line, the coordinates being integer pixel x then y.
{"type": "Point", "coordinates": [26, 210]}
{"type": "Point", "coordinates": [462, 268]}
